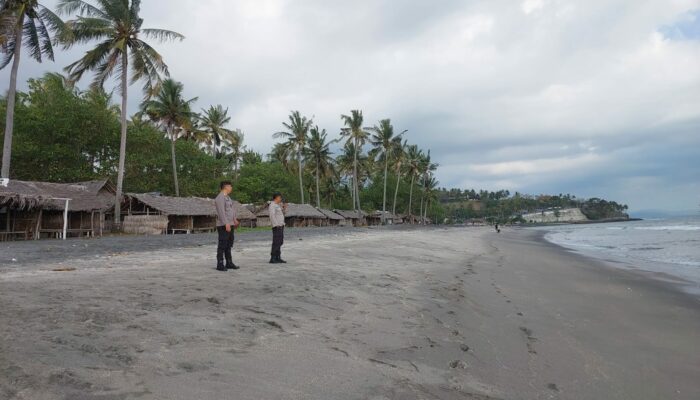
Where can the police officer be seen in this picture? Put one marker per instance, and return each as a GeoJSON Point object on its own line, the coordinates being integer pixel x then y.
{"type": "Point", "coordinates": [277, 221]}
{"type": "Point", "coordinates": [226, 222]}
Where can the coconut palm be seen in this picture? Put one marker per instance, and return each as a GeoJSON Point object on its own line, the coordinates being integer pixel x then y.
{"type": "Point", "coordinates": [173, 113]}
{"type": "Point", "coordinates": [399, 156]}
{"type": "Point", "coordinates": [357, 135]}
{"type": "Point", "coordinates": [281, 153]}
{"type": "Point", "coordinates": [318, 154]}
{"type": "Point", "coordinates": [117, 26]}
{"type": "Point", "coordinates": [20, 19]}
{"type": "Point", "coordinates": [430, 189]}
{"type": "Point", "coordinates": [384, 140]}
{"type": "Point", "coordinates": [232, 148]}
{"type": "Point", "coordinates": [213, 121]}
{"type": "Point", "coordinates": [426, 169]}
{"type": "Point", "coordinates": [413, 164]}
{"type": "Point", "coordinates": [296, 136]}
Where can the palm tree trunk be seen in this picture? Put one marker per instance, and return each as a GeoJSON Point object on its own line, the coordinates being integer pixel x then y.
{"type": "Point", "coordinates": [122, 145]}
{"type": "Point", "coordinates": [318, 190]}
{"type": "Point", "coordinates": [386, 169]}
{"type": "Point", "coordinates": [301, 183]}
{"type": "Point", "coordinates": [410, 198]}
{"type": "Point", "coordinates": [172, 154]}
{"type": "Point", "coordinates": [11, 94]}
{"type": "Point", "coordinates": [396, 192]}
{"type": "Point", "coordinates": [356, 180]}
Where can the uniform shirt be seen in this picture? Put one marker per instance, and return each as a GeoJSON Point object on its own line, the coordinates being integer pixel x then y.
{"type": "Point", "coordinates": [276, 215]}
{"type": "Point", "coordinates": [225, 211]}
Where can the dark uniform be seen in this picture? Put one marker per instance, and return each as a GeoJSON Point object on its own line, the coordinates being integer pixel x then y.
{"type": "Point", "coordinates": [226, 215]}
{"type": "Point", "coordinates": [277, 222]}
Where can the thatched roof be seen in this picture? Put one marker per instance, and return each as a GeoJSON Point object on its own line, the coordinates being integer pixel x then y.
{"type": "Point", "coordinates": [295, 210]}
{"type": "Point", "coordinates": [28, 195]}
{"type": "Point", "coordinates": [187, 206]}
{"type": "Point", "coordinates": [351, 214]}
{"type": "Point", "coordinates": [387, 215]}
{"type": "Point", "coordinates": [330, 214]}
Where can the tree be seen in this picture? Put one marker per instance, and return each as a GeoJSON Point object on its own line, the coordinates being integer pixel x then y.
{"type": "Point", "coordinates": [213, 121]}
{"type": "Point", "coordinates": [384, 141]}
{"type": "Point", "coordinates": [173, 113]}
{"type": "Point", "coordinates": [20, 18]}
{"type": "Point", "coordinates": [414, 157]}
{"type": "Point", "coordinates": [232, 148]}
{"type": "Point", "coordinates": [117, 26]}
{"type": "Point", "coordinates": [399, 155]}
{"type": "Point", "coordinates": [296, 136]}
{"type": "Point", "coordinates": [427, 167]}
{"type": "Point", "coordinates": [318, 154]}
{"type": "Point", "coordinates": [357, 135]}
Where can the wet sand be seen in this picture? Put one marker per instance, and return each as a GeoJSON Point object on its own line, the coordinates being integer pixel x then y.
{"type": "Point", "coordinates": [366, 314]}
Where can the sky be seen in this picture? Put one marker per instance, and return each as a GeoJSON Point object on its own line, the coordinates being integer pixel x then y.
{"type": "Point", "coordinates": [598, 98]}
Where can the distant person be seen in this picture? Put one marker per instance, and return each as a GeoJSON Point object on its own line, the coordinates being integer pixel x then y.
{"type": "Point", "coordinates": [497, 229]}
{"type": "Point", "coordinates": [226, 222]}
{"type": "Point", "coordinates": [277, 221]}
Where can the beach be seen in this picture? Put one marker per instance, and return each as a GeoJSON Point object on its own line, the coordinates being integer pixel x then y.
{"type": "Point", "coordinates": [434, 313]}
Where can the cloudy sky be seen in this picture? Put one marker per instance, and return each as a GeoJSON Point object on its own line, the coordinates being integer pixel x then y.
{"type": "Point", "coordinates": [590, 97]}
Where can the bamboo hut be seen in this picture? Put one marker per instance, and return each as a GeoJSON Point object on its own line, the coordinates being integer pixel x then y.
{"type": "Point", "coordinates": [296, 215]}
{"type": "Point", "coordinates": [35, 210]}
{"type": "Point", "coordinates": [353, 218]}
{"type": "Point", "coordinates": [378, 216]}
{"type": "Point", "coordinates": [145, 213]}
{"type": "Point", "coordinates": [334, 219]}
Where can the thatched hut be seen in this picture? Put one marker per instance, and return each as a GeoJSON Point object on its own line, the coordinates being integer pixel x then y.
{"type": "Point", "coordinates": [35, 210]}
{"type": "Point", "coordinates": [353, 218]}
{"type": "Point", "coordinates": [378, 216]}
{"type": "Point", "coordinates": [296, 215]}
{"type": "Point", "coordinates": [145, 213]}
{"type": "Point", "coordinates": [334, 219]}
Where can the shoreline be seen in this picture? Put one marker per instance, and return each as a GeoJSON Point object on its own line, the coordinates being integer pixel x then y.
{"type": "Point", "coordinates": [643, 268]}
{"type": "Point", "coordinates": [443, 313]}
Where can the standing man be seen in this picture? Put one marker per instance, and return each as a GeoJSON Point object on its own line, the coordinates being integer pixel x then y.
{"type": "Point", "coordinates": [226, 222]}
{"type": "Point", "coordinates": [277, 221]}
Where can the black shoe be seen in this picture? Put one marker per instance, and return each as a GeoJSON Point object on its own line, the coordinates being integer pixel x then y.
{"type": "Point", "coordinates": [273, 260]}
{"type": "Point", "coordinates": [221, 268]}
{"type": "Point", "coordinates": [280, 260]}
{"type": "Point", "coordinates": [232, 266]}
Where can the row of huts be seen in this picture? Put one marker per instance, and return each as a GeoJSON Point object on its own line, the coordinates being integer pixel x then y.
{"type": "Point", "coordinates": [36, 210]}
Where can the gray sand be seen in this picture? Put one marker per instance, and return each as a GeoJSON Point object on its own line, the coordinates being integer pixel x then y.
{"type": "Point", "coordinates": [382, 314]}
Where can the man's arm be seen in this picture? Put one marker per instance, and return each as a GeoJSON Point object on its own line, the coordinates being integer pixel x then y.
{"type": "Point", "coordinates": [221, 210]}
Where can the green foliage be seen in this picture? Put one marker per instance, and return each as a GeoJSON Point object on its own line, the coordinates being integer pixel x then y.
{"type": "Point", "coordinates": [260, 180]}
{"type": "Point", "coordinates": [62, 135]}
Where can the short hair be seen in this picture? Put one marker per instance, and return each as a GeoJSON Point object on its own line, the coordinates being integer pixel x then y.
{"type": "Point", "coordinates": [276, 195]}
{"type": "Point", "coordinates": [225, 183]}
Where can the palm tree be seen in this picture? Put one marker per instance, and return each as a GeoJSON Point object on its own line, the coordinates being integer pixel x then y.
{"type": "Point", "coordinates": [280, 153]}
{"type": "Point", "coordinates": [116, 24]}
{"type": "Point", "coordinates": [318, 153]}
{"type": "Point", "coordinates": [357, 135]}
{"type": "Point", "coordinates": [20, 18]}
{"type": "Point", "coordinates": [426, 167]}
{"type": "Point", "coordinates": [414, 157]}
{"type": "Point", "coordinates": [296, 135]}
{"type": "Point", "coordinates": [232, 148]}
{"type": "Point", "coordinates": [399, 155]}
{"type": "Point", "coordinates": [173, 113]}
{"type": "Point", "coordinates": [429, 185]}
{"type": "Point", "coordinates": [384, 141]}
{"type": "Point", "coordinates": [213, 121]}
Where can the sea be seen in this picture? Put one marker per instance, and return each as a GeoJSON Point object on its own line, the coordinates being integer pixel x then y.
{"type": "Point", "coordinates": [669, 247]}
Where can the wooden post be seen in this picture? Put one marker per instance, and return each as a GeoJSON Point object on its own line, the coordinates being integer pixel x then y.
{"type": "Point", "coordinates": [92, 224]}
{"type": "Point", "coordinates": [102, 222]}
{"type": "Point", "coordinates": [65, 220]}
{"type": "Point", "coordinates": [37, 233]}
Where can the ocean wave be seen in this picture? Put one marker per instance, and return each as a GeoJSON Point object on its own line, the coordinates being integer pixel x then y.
{"type": "Point", "coordinates": [669, 228]}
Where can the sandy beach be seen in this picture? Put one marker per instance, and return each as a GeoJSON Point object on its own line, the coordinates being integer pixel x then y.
{"type": "Point", "coordinates": [458, 313]}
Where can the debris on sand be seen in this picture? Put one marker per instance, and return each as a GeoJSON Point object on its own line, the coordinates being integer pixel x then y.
{"type": "Point", "coordinates": [64, 269]}
{"type": "Point", "coordinates": [458, 364]}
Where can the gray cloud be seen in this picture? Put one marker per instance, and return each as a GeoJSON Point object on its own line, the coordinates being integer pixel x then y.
{"type": "Point", "coordinates": [596, 98]}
